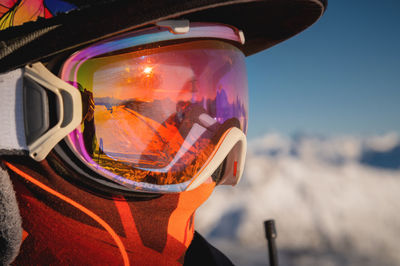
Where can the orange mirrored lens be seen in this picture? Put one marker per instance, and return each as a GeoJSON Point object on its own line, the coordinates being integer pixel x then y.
{"type": "Point", "coordinates": [155, 115]}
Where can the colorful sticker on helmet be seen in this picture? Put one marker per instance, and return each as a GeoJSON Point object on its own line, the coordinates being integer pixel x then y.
{"type": "Point", "coordinates": [17, 12]}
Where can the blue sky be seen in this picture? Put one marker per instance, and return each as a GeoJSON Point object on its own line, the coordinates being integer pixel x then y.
{"type": "Point", "coordinates": [340, 76]}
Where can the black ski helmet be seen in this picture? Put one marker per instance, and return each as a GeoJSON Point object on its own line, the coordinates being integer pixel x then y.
{"type": "Point", "coordinates": [265, 23]}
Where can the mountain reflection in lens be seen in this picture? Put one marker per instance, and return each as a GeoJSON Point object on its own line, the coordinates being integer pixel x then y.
{"type": "Point", "coordinates": [157, 112]}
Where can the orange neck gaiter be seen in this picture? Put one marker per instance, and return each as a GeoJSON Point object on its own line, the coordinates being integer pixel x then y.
{"type": "Point", "coordinates": [64, 224]}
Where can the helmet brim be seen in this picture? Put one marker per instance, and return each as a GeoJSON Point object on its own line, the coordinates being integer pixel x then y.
{"type": "Point", "coordinates": [265, 23]}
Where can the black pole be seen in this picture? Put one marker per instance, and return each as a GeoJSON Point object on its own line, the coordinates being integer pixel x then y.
{"type": "Point", "coordinates": [270, 234]}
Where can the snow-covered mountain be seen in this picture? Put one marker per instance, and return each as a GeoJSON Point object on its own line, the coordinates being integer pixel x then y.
{"type": "Point", "coordinates": [336, 201]}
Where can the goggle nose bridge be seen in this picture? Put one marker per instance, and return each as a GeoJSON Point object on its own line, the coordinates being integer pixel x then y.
{"type": "Point", "coordinates": [232, 147]}
{"type": "Point", "coordinates": [235, 164]}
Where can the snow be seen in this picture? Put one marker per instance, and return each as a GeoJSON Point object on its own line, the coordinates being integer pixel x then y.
{"type": "Point", "coordinates": [335, 201]}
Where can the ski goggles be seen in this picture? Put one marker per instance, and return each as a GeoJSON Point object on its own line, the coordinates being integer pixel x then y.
{"type": "Point", "coordinates": [162, 108]}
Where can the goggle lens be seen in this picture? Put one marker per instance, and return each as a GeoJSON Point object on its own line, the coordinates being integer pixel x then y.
{"type": "Point", "coordinates": [154, 116]}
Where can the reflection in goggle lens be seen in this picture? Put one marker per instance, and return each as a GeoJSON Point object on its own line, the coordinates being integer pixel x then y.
{"type": "Point", "coordinates": [156, 115]}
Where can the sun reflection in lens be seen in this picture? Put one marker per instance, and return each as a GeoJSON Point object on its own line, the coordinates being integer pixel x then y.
{"type": "Point", "coordinates": [147, 70]}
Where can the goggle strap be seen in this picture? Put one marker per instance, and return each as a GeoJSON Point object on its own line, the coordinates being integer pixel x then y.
{"type": "Point", "coordinates": [12, 129]}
